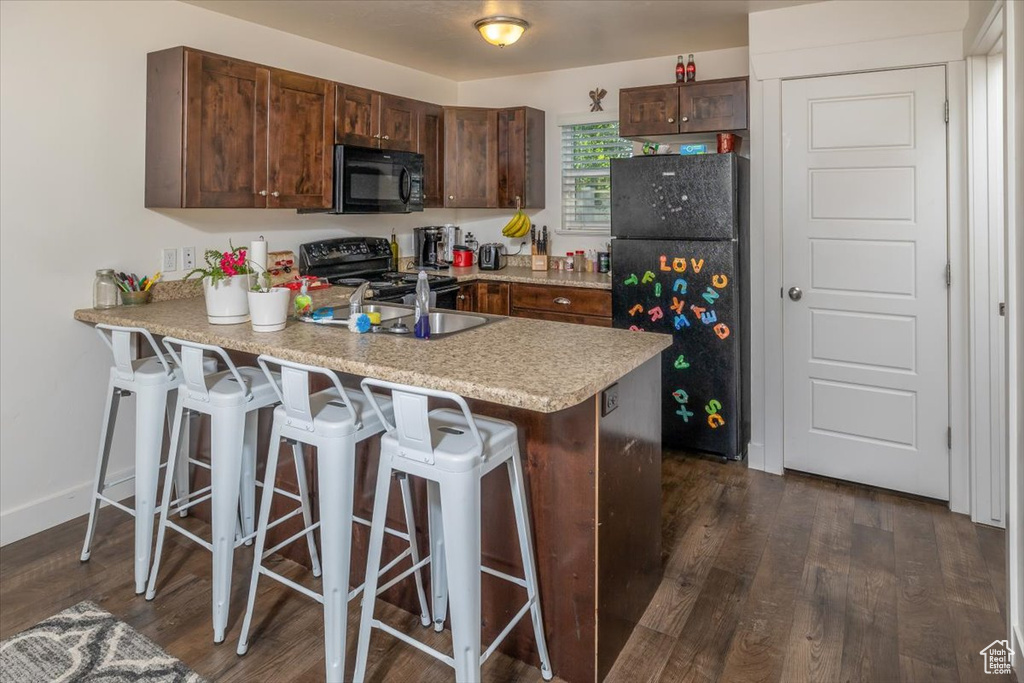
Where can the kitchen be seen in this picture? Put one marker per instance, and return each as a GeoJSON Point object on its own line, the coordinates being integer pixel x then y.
{"type": "Point", "coordinates": [102, 217]}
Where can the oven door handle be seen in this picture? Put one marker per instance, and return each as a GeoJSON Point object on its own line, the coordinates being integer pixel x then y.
{"type": "Point", "coordinates": [446, 290]}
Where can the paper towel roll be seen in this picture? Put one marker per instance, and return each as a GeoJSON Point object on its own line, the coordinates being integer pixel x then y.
{"type": "Point", "coordinates": [258, 256]}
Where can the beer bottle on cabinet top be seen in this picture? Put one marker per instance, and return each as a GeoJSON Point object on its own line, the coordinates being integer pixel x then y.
{"type": "Point", "coordinates": [680, 70]}
{"type": "Point", "coordinates": [691, 70]}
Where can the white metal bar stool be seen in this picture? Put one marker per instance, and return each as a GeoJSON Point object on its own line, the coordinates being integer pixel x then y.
{"type": "Point", "coordinates": [452, 450]}
{"type": "Point", "coordinates": [232, 399]}
{"type": "Point", "coordinates": [153, 382]}
{"type": "Point", "coordinates": [334, 421]}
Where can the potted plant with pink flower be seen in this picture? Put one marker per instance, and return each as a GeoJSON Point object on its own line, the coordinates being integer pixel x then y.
{"type": "Point", "coordinates": [226, 280]}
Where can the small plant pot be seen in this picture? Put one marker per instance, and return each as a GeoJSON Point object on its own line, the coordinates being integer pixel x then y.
{"type": "Point", "coordinates": [226, 302]}
{"type": "Point", "coordinates": [269, 310]}
{"type": "Point", "coordinates": [134, 298]}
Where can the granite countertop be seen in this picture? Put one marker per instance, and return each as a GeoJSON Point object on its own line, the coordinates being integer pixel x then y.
{"type": "Point", "coordinates": [533, 277]}
{"type": "Point", "coordinates": [532, 364]}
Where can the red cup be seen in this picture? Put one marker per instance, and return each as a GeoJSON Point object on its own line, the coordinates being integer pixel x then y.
{"type": "Point", "coordinates": [463, 258]}
{"type": "Point", "coordinates": [728, 142]}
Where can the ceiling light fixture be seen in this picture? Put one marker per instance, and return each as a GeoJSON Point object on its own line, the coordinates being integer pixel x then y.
{"type": "Point", "coordinates": [501, 31]}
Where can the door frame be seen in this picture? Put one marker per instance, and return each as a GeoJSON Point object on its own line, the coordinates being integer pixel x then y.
{"type": "Point", "coordinates": [986, 241]}
{"type": "Point", "coordinates": [766, 451]}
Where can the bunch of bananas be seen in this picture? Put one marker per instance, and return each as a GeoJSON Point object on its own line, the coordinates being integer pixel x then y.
{"type": "Point", "coordinates": [519, 226]}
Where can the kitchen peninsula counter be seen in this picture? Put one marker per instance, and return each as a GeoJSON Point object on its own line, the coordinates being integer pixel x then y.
{"type": "Point", "coordinates": [592, 465]}
{"type": "Point", "coordinates": [524, 275]}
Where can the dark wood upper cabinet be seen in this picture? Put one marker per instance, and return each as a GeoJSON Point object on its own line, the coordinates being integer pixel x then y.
{"type": "Point", "coordinates": [225, 133]}
{"type": "Point", "coordinates": [521, 158]}
{"type": "Point", "coordinates": [430, 143]}
{"type": "Point", "coordinates": [371, 119]}
{"type": "Point", "coordinates": [398, 122]}
{"type": "Point", "coordinates": [354, 119]}
{"type": "Point", "coordinates": [206, 134]}
{"type": "Point", "coordinates": [301, 133]}
{"type": "Point", "coordinates": [713, 106]}
{"type": "Point", "coordinates": [471, 157]}
{"type": "Point", "coordinates": [699, 107]}
{"type": "Point", "coordinates": [649, 110]}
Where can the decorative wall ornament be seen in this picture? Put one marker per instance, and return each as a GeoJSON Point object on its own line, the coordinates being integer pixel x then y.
{"type": "Point", "coordinates": [596, 95]}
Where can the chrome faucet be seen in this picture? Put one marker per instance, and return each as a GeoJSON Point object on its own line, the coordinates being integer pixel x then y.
{"type": "Point", "coordinates": [355, 301]}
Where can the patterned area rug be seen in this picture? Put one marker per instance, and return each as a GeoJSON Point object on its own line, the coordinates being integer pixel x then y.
{"type": "Point", "coordinates": [86, 643]}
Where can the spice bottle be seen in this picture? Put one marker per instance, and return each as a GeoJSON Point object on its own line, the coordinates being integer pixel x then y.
{"type": "Point", "coordinates": [568, 261]}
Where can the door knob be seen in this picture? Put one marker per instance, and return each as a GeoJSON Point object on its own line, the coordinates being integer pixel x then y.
{"type": "Point", "coordinates": [795, 293]}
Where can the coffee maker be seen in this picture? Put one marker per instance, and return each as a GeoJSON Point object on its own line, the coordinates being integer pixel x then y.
{"type": "Point", "coordinates": [430, 247]}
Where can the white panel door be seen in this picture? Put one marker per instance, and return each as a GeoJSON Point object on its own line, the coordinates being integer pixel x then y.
{"type": "Point", "coordinates": [864, 266]}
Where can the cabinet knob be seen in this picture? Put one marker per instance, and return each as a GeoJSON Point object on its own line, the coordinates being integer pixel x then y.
{"type": "Point", "coordinates": [461, 297]}
{"type": "Point", "coordinates": [263, 193]}
{"type": "Point", "coordinates": [685, 119]}
{"type": "Point", "coordinates": [451, 197]}
{"type": "Point", "coordinates": [275, 193]}
{"type": "Point", "coordinates": [562, 301]}
{"type": "Point", "coordinates": [672, 120]}
{"type": "Point", "coordinates": [377, 136]}
{"type": "Point", "coordinates": [386, 137]}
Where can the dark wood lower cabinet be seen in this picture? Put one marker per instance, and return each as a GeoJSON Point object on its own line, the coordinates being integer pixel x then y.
{"type": "Point", "coordinates": [594, 487]}
{"type": "Point", "coordinates": [492, 297]}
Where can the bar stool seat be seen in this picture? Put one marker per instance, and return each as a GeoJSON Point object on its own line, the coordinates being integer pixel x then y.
{"type": "Point", "coordinates": [333, 421]}
{"type": "Point", "coordinates": [154, 382]}
{"type": "Point", "coordinates": [452, 450]}
{"type": "Point", "coordinates": [232, 400]}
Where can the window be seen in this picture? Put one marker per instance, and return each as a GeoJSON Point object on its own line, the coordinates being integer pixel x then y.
{"type": "Point", "coordinates": [587, 149]}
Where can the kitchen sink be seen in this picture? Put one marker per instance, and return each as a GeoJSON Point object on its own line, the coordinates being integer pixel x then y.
{"type": "Point", "coordinates": [400, 319]}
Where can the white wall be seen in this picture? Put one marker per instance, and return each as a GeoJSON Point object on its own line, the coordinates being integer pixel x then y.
{"type": "Point", "coordinates": [565, 93]}
{"type": "Point", "coordinates": [72, 134]}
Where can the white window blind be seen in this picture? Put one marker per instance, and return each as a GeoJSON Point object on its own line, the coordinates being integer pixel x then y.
{"type": "Point", "coordinates": [587, 149]}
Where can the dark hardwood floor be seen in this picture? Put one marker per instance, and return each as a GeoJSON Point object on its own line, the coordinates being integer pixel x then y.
{"type": "Point", "coordinates": [768, 579]}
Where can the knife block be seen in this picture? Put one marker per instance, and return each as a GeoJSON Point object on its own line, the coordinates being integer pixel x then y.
{"type": "Point", "coordinates": [539, 262]}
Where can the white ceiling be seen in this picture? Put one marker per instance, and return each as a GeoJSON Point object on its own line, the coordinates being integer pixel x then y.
{"type": "Point", "coordinates": [438, 36]}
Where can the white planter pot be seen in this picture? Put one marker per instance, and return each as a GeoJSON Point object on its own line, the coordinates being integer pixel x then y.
{"type": "Point", "coordinates": [226, 301]}
{"type": "Point", "coordinates": [269, 310]}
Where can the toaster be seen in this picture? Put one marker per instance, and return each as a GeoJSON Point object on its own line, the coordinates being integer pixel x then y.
{"type": "Point", "coordinates": [492, 256]}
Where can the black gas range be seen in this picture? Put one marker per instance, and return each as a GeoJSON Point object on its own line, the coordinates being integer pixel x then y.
{"type": "Point", "coordinates": [351, 261]}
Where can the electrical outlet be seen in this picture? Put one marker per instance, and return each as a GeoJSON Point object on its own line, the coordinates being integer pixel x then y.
{"type": "Point", "coordinates": [169, 261]}
{"type": "Point", "coordinates": [609, 399]}
{"type": "Point", "coordinates": [188, 258]}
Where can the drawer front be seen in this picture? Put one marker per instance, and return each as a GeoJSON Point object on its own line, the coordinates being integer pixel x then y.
{"type": "Point", "coordinates": [562, 317]}
{"type": "Point", "coordinates": [564, 300]}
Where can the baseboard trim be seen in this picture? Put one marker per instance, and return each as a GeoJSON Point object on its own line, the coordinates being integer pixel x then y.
{"type": "Point", "coordinates": [45, 513]}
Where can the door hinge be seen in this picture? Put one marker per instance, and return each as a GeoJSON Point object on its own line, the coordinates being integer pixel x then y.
{"type": "Point", "coordinates": [949, 274]}
{"type": "Point", "coordinates": [949, 438]}
{"type": "Point", "coordinates": [1002, 308]}
{"type": "Point", "coordinates": [946, 112]}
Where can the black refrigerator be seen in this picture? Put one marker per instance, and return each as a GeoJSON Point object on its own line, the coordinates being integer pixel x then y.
{"type": "Point", "coordinates": [680, 254]}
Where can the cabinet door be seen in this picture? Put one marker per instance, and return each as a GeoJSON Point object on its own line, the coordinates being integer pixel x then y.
{"type": "Point", "coordinates": [471, 158]}
{"type": "Point", "coordinates": [492, 297]}
{"type": "Point", "coordinates": [398, 123]}
{"type": "Point", "coordinates": [225, 132]}
{"type": "Point", "coordinates": [356, 118]}
{"type": "Point", "coordinates": [465, 300]}
{"type": "Point", "coordinates": [649, 111]}
{"type": "Point", "coordinates": [713, 106]}
{"type": "Point", "coordinates": [521, 158]}
{"type": "Point", "coordinates": [301, 133]}
{"type": "Point", "coordinates": [430, 143]}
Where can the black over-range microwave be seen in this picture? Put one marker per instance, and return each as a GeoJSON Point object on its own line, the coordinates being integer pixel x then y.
{"type": "Point", "coordinates": [370, 180]}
